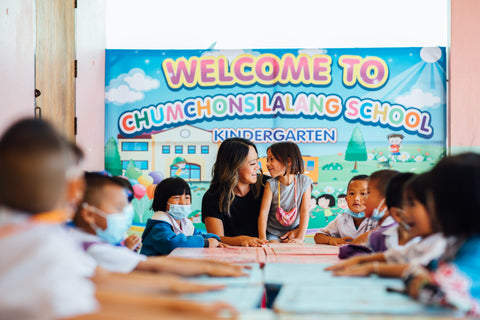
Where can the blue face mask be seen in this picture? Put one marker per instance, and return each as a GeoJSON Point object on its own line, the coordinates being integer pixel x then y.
{"type": "Point", "coordinates": [179, 211]}
{"type": "Point", "coordinates": [117, 224]}
{"type": "Point", "coordinates": [354, 214]}
{"type": "Point", "coordinates": [377, 214]}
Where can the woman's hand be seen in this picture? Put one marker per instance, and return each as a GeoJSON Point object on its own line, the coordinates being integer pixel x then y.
{"type": "Point", "coordinates": [246, 241]}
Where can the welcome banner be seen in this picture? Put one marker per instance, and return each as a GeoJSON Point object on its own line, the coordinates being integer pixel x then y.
{"type": "Point", "coordinates": [351, 111]}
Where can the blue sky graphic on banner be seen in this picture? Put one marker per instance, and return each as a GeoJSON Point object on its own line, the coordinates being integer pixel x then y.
{"type": "Point", "coordinates": [351, 111]}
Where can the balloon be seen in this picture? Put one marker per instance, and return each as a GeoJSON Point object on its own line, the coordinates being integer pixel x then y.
{"type": "Point", "coordinates": [139, 190]}
{"type": "Point", "coordinates": [132, 181]}
{"type": "Point", "coordinates": [157, 176]}
{"type": "Point", "coordinates": [133, 173]}
{"type": "Point", "coordinates": [151, 191]}
{"type": "Point", "coordinates": [145, 180]}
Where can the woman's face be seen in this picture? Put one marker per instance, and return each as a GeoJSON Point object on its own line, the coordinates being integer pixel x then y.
{"type": "Point", "coordinates": [247, 174]}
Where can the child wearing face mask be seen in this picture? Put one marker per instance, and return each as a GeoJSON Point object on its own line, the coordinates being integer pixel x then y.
{"type": "Point", "coordinates": [393, 262]}
{"type": "Point", "coordinates": [352, 222]}
{"type": "Point", "coordinates": [169, 227]}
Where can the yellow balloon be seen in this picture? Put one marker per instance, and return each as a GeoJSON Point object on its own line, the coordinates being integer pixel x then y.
{"type": "Point", "coordinates": [145, 180]}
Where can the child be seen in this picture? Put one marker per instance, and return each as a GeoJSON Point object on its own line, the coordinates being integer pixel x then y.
{"type": "Point", "coordinates": [169, 227]}
{"type": "Point", "coordinates": [352, 222]}
{"type": "Point", "coordinates": [454, 199]}
{"type": "Point", "coordinates": [396, 234]}
{"type": "Point", "coordinates": [416, 216]}
{"type": "Point", "coordinates": [375, 209]}
{"type": "Point", "coordinates": [389, 234]}
{"type": "Point", "coordinates": [106, 197]}
{"type": "Point", "coordinates": [44, 274]}
{"type": "Point", "coordinates": [284, 212]}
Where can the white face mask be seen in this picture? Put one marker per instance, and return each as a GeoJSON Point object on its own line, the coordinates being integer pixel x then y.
{"type": "Point", "coordinates": [179, 211]}
{"type": "Point", "coordinates": [354, 214]}
{"type": "Point", "coordinates": [377, 214]}
{"type": "Point", "coordinates": [117, 223]}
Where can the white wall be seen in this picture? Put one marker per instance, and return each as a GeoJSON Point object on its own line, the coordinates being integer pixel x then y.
{"type": "Point", "coordinates": [17, 43]}
{"type": "Point", "coordinates": [193, 24]}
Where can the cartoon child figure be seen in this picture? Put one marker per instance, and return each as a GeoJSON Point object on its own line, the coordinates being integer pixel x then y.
{"type": "Point", "coordinates": [313, 206]}
{"type": "Point", "coordinates": [326, 202]}
{"type": "Point", "coordinates": [395, 140]}
{"type": "Point", "coordinates": [342, 202]}
{"type": "Point", "coordinates": [180, 163]}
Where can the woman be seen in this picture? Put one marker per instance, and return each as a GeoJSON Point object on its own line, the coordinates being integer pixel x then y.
{"type": "Point", "coordinates": [231, 205]}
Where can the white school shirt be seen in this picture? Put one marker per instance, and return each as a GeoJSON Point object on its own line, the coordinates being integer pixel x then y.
{"type": "Point", "coordinates": [391, 237]}
{"type": "Point", "coordinates": [344, 226]}
{"type": "Point", "coordinates": [421, 253]}
{"type": "Point", "coordinates": [109, 257]}
{"type": "Point", "coordinates": [43, 272]}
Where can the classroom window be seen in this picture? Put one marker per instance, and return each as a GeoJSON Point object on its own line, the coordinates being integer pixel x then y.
{"type": "Point", "coordinates": [166, 149]}
{"type": "Point", "coordinates": [310, 165]}
{"type": "Point", "coordinates": [191, 149]}
{"type": "Point", "coordinates": [140, 164]}
{"type": "Point", "coordinates": [178, 149]}
{"type": "Point", "coordinates": [134, 146]}
{"type": "Point", "coordinates": [190, 172]}
{"type": "Point", "coordinates": [204, 150]}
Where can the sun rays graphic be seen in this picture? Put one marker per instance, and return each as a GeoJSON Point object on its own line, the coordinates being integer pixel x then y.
{"type": "Point", "coordinates": [425, 80]}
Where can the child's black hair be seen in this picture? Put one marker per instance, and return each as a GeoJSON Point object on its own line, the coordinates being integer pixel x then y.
{"type": "Point", "coordinates": [283, 151]}
{"type": "Point", "coordinates": [382, 178]}
{"type": "Point", "coordinates": [95, 181]}
{"type": "Point", "coordinates": [361, 177]}
{"type": "Point", "coordinates": [33, 162]}
{"type": "Point", "coordinates": [330, 198]}
{"type": "Point", "coordinates": [456, 194]}
{"type": "Point", "coordinates": [417, 188]}
{"type": "Point", "coordinates": [172, 186]}
{"type": "Point", "coordinates": [394, 192]}
{"type": "Point", "coordinates": [341, 195]}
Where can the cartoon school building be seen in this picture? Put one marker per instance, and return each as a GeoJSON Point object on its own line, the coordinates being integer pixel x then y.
{"type": "Point", "coordinates": [184, 151]}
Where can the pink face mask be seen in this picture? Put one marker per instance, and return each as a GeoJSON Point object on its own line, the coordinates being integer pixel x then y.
{"type": "Point", "coordinates": [286, 218]}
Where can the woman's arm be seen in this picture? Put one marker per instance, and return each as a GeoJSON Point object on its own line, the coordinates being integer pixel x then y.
{"type": "Point", "coordinates": [264, 211]}
{"type": "Point", "coordinates": [215, 226]}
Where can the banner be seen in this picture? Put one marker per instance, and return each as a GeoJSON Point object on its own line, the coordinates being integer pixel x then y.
{"type": "Point", "coordinates": [351, 111]}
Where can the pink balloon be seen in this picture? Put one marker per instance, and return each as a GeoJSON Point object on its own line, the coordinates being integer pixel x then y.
{"type": "Point", "coordinates": [139, 190]}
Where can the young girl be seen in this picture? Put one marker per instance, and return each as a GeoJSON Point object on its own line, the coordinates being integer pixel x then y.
{"type": "Point", "coordinates": [286, 199]}
{"type": "Point", "coordinates": [454, 201]}
{"type": "Point", "coordinates": [169, 227]}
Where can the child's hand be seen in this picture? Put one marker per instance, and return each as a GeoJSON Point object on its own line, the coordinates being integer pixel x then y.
{"type": "Point", "coordinates": [362, 270]}
{"type": "Point", "coordinates": [212, 242]}
{"type": "Point", "coordinates": [343, 265]}
{"type": "Point", "coordinates": [339, 241]}
{"type": "Point", "coordinates": [133, 242]}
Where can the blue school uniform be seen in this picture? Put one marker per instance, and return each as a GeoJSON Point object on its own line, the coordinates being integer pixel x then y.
{"type": "Point", "coordinates": [162, 234]}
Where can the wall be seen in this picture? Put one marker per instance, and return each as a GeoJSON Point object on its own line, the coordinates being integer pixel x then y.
{"type": "Point", "coordinates": [464, 81]}
{"type": "Point", "coordinates": [90, 84]}
{"type": "Point", "coordinates": [17, 44]}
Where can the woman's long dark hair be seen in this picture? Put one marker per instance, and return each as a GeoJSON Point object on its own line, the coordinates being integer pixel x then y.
{"type": "Point", "coordinates": [231, 157]}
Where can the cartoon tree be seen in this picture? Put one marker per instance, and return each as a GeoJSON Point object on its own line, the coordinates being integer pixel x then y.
{"type": "Point", "coordinates": [113, 164]}
{"type": "Point", "coordinates": [356, 149]}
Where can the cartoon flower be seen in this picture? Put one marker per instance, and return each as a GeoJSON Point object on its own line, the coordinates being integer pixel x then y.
{"type": "Point", "coordinates": [329, 189]}
{"type": "Point", "coordinates": [371, 156]}
{"type": "Point", "coordinates": [404, 156]}
{"type": "Point", "coordinates": [419, 158]}
{"type": "Point", "coordinates": [382, 158]}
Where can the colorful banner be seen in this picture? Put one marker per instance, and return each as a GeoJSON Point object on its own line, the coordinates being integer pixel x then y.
{"type": "Point", "coordinates": [351, 111]}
